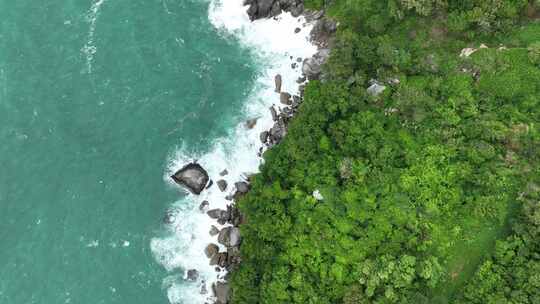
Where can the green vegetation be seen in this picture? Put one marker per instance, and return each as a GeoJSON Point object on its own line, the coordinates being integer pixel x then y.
{"type": "Point", "coordinates": [431, 189]}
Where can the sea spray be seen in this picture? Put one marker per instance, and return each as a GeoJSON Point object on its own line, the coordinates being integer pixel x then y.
{"type": "Point", "coordinates": [277, 46]}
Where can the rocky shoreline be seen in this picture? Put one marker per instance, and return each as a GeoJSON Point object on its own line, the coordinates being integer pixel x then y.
{"type": "Point", "coordinates": [196, 179]}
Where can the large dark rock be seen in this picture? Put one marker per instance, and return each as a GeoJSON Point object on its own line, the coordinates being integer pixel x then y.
{"type": "Point", "coordinates": [222, 185]}
{"type": "Point", "coordinates": [229, 237]}
{"type": "Point", "coordinates": [285, 98]}
{"type": "Point", "coordinates": [211, 250]}
{"type": "Point", "coordinates": [170, 217]}
{"type": "Point", "coordinates": [263, 136]}
{"type": "Point", "coordinates": [277, 132]}
{"type": "Point", "coordinates": [214, 230]}
{"type": "Point", "coordinates": [192, 176]}
{"type": "Point", "coordinates": [297, 10]}
{"type": "Point", "coordinates": [313, 15]}
{"type": "Point", "coordinates": [219, 259]}
{"type": "Point", "coordinates": [323, 31]}
{"type": "Point", "coordinates": [233, 255]}
{"type": "Point", "coordinates": [242, 187]}
{"type": "Point", "coordinates": [260, 9]}
{"type": "Point", "coordinates": [278, 81]}
{"type": "Point", "coordinates": [312, 67]}
{"type": "Point", "coordinates": [222, 292]}
{"type": "Point", "coordinates": [274, 114]}
{"type": "Point", "coordinates": [222, 216]}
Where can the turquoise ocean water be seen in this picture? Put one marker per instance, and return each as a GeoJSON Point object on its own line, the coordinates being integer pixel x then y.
{"type": "Point", "coordinates": [94, 98]}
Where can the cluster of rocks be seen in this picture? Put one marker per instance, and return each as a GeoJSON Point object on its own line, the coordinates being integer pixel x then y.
{"type": "Point", "coordinates": [321, 35]}
{"type": "Point", "coordinates": [196, 179]}
{"type": "Point", "coordinates": [259, 9]}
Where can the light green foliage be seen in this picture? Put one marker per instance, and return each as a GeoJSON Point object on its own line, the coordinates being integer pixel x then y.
{"type": "Point", "coordinates": [419, 183]}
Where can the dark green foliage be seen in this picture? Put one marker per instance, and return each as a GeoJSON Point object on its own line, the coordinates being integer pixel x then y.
{"type": "Point", "coordinates": [419, 182]}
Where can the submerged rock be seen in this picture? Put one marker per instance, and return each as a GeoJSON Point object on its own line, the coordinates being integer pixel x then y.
{"type": "Point", "coordinates": [192, 275]}
{"type": "Point", "coordinates": [170, 217]}
{"type": "Point", "coordinates": [251, 123]}
{"type": "Point", "coordinates": [192, 176]}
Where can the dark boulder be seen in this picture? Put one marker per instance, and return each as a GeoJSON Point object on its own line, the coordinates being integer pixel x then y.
{"type": "Point", "coordinates": [211, 250]}
{"type": "Point", "coordinates": [214, 230]}
{"type": "Point", "coordinates": [236, 217]}
{"type": "Point", "coordinates": [204, 205]}
{"type": "Point", "coordinates": [278, 131]}
{"type": "Point", "coordinates": [312, 67]}
{"type": "Point", "coordinates": [297, 10]}
{"type": "Point", "coordinates": [261, 9]}
{"type": "Point", "coordinates": [242, 187]}
{"type": "Point", "coordinates": [323, 32]}
{"type": "Point", "coordinates": [222, 185]}
{"type": "Point", "coordinates": [276, 10]}
{"type": "Point", "coordinates": [285, 98]}
{"type": "Point", "coordinates": [222, 216]}
{"type": "Point", "coordinates": [229, 237]}
{"type": "Point", "coordinates": [263, 136]}
{"type": "Point", "coordinates": [222, 292]}
{"type": "Point", "coordinates": [273, 112]}
{"type": "Point", "coordinates": [278, 82]}
{"type": "Point", "coordinates": [233, 254]}
{"type": "Point", "coordinates": [313, 15]}
{"type": "Point", "coordinates": [297, 30]}
{"type": "Point", "coordinates": [192, 176]}
{"type": "Point", "coordinates": [224, 172]}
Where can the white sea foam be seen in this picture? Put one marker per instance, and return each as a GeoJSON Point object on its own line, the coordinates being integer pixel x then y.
{"type": "Point", "coordinates": [90, 49]}
{"type": "Point", "coordinates": [274, 41]}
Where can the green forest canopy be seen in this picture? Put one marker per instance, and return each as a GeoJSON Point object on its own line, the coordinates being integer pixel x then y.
{"type": "Point", "coordinates": [431, 189]}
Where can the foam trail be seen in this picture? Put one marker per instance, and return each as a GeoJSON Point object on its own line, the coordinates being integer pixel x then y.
{"type": "Point", "coordinates": [273, 41]}
{"type": "Point", "coordinates": [89, 49]}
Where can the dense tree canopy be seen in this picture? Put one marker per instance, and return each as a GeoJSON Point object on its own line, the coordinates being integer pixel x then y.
{"type": "Point", "coordinates": [431, 190]}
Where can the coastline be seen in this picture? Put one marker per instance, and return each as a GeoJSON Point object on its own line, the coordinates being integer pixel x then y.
{"type": "Point", "coordinates": [291, 50]}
